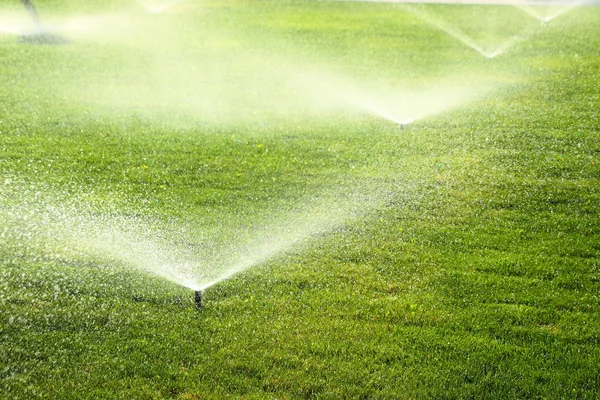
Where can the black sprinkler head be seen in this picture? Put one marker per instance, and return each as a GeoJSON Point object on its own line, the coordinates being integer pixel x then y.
{"type": "Point", "coordinates": [198, 299]}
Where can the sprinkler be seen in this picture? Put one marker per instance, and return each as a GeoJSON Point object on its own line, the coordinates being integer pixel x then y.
{"type": "Point", "coordinates": [31, 10]}
{"type": "Point", "coordinates": [404, 123]}
{"type": "Point", "coordinates": [40, 35]}
{"type": "Point", "coordinates": [198, 299]}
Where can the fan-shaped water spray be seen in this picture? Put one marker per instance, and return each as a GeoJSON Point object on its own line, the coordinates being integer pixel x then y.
{"type": "Point", "coordinates": [501, 45]}
{"type": "Point", "coordinates": [60, 228]}
{"type": "Point", "coordinates": [222, 85]}
{"type": "Point", "coordinates": [546, 11]}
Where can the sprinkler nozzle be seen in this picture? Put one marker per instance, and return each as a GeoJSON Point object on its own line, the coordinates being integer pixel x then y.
{"type": "Point", "coordinates": [198, 299]}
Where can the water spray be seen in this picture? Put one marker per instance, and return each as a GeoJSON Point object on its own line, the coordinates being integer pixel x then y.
{"type": "Point", "coordinates": [40, 35]}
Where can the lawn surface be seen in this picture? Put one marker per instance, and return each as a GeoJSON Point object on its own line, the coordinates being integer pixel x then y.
{"type": "Point", "coordinates": [466, 266]}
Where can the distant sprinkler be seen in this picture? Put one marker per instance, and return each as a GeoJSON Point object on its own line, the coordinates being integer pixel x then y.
{"type": "Point", "coordinates": [402, 124]}
{"type": "Point", "coordinates": [493, 54]}
{"type": "Point", "coordinates": [31, 10]}
{"type": "Point", "coordinates": [39, 36]}
{"type": "Point", "coordinates": [198, 299]}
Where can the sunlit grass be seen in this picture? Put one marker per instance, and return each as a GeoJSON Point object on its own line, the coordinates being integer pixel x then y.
{"type": "Point", "coordinates": [475, 273]}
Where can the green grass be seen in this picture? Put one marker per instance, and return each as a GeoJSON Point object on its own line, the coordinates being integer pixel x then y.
{"type": "Point", "coordinates": [477, 277]}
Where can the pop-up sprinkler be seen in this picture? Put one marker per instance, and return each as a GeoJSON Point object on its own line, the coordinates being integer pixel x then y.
{"type": "Point", "coordinates": [40, 35]}
{"type": "Point", "coordinates": [198, 299]}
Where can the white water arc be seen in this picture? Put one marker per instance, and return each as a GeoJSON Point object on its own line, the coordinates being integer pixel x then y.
{"type": "Point", "coordinates": [487, 52]}
{"type": "Point", "coordinates": [450, 30]}
{"type": "Point", "coordinates": [41, 221]}
{"type": "Point", "coordinates": [546, 12]}
{"type": "Point", "coordinates": [407, 106]}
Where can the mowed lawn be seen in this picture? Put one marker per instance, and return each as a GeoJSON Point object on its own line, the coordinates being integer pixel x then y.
{"type": "Point", "coordinates": [475, 274]}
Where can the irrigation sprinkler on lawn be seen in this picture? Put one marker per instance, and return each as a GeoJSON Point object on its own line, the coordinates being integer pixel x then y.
{"type": "Point", "coordinates": [198, 299]}
{"type": "Point", "coordinates": [39, 35]}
